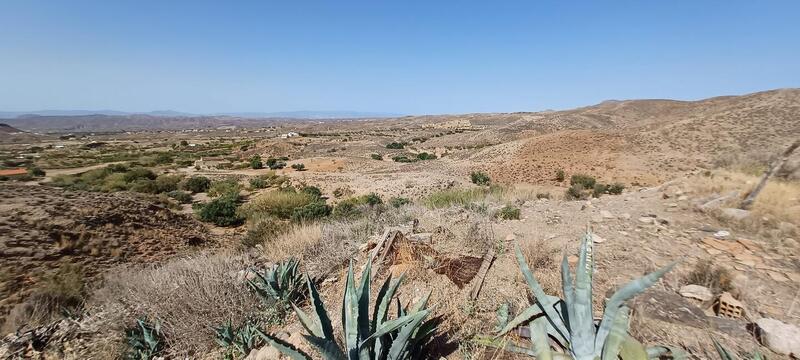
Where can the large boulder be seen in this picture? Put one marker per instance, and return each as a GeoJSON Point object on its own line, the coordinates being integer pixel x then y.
{"type": "Point", "coordinates": [779, 337]}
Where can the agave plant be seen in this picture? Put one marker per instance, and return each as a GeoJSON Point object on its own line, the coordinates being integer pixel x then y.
{"type": "Point", "coordinates": [145, 341]}
{"type": "Point", "coordinates": [237, 340]}
{"type": "Point", "coordinates": [725, 354]}
{"type": "Point", "coordinates": [280, 285]}
{"type": "Point", "coordinates": [378, 337]}
{"type": "Point", "coordinates": [570, 323]}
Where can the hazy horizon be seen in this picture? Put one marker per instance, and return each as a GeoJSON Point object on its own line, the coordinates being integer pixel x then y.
{"type": "Point", "coordinates": [412, 58]}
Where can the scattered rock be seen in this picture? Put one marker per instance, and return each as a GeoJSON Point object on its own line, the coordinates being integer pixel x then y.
{"type": "Point", "coordinates": [697, 292]}
{"type": "Point", "coordinates": [779, 337]}
{"type": "Point", "coordinates": [787, 228]}
{"type": "Point", "coordinates": [606, 214]}
{"type": "Point", "coordinates": [716, 201]}
{"type": "Point", "coordinates": [646, 220]}
{"type": "Point", "coordinates": [735, 214]}
{"type": "Point", "coordinates": [597, 239]}
{"type": "Point", "coordinates": [625, 216]}
{"type": "Point", "coordinates": [722, 234]}
{"type": "Point", "coordinates": [670, 307]}
{"type": "Point", "coordinates": [510, 237]}
{"type": "Point", "coordinates": [265, 353]}
{"type": "Point", "coordinates": [790, 243]}
{"type": "Point", "coordinates": [733, 327]}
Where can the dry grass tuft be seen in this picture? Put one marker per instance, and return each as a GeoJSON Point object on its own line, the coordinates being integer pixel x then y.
{"type": "Point", "coordinates": [542, 259]}
{"type": "Point", "coordinates": [716, 278]}
{"type": "Point", "coordinates": [189, 296]}
{"type": "Point", "coordinates": [56, 293]}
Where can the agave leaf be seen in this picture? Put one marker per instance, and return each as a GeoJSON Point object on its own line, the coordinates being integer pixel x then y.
{"type": "Point", "coordinates": [395, 324]}
{"type": "Point", "coordinates": [400, 343]}
{"type": "Point", "coordinates": [379, 299]}
{"type": "Point", "coordinates": [527, 314]}
{"type": "Point", "coordinates": [422, 303]}
{"type": "Point", "coordinates": [363, 309]}
{"type": "Point", "coordinates": [284, 347]}
{"type": "Point", "coordinates": [632, 349]}
{"type": "Point", "coordinates": [541, 298]}
{"type": "Point", "coordinates": [568, 289]}
{"type": "Point", "coordinates": [320, 313]}
{"type": "Point", "coordinates": [328, 348]}
{"type": "Point", "coordinates": [617, 335]}
{"type": "Point", "coordinates": [724, 354]}
{"type": "Point", "coordinates": [580, 315]}
{"type": "Point", "coordinates": [504, 344]}
{"type": "Point", "coordinates": [308, 323]}
{"type": "Point", "coordinates": [655, 352]}
{"type": "Point", "coordinates": [350, 315]}
{"type": "Point", "coordinates": [620, 297]}
{"type": "Point", "coordinates": [539, 340]}
{"type": "Point", "coordinates": [502, 317]}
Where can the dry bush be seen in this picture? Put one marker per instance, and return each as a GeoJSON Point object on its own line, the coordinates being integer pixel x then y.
{"type": "Point", "coordinates": [188, 296]}
{"type": "Point", "coordinates": [295, 240]}
{"type": "Point", "coordinates": [277, 203]}
{"type": "Point", "coordinates": [718, 279]}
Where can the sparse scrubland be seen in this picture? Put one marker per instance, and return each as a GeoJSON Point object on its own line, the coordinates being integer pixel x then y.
{"type": "Point", "coordinates": [449, 236]}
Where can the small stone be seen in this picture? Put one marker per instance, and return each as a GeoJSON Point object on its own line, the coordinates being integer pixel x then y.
{"type": "Point", "coordinates": [672, 205]}
{"type": "Point", "coordinates": [265, 353]}
{"type": "Point", "coordinates": [790, 243]}
{"type": "Point", "coordinates": [722, 234]}
{"type": "Point", "coordinates": [646, 220]}
{"type": "Point", "coordinates": [779, 337]}
{"type": "Point", "coordinates": [625, 216]}
{"type": "Point", "coordinates": [787, 228]}
{"type": "Point", "coordinates": [510, 237]}
{"type": "Point", "coordinates": [696, 292]}
{"type": "Point", "coordinates": [683, 198]}
{"type": "Point", "coordinates": [597, 239]}
{"type": "Point", "coordinates": [606, 214]}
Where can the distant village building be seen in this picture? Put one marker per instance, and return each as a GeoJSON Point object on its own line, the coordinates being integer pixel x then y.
{"type": "Point", "coordinates": [226, 127]}
{"type": "Point", "coordinates": [289, 135]}
{"type": "Point", "coordinates": [13, 172]}
{"type": "Point", "coordinates": [211, 163]}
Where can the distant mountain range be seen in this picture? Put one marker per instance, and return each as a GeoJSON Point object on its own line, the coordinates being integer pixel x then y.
{"type": "Point", "coordinates": [171, 113]}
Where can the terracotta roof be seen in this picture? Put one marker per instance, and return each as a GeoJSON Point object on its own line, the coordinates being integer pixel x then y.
{"type": "Point", "coordinates": [11, 172]}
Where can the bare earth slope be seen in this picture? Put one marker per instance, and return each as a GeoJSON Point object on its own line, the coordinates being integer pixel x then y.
{"type": "Point", "coordinates": [43, 227]}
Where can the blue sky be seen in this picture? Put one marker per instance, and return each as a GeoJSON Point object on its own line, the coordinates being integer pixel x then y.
{"type": "Point", "coordinates": [411, 57]}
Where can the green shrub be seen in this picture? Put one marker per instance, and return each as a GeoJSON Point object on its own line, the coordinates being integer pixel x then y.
{"type": "Point", "coordinates": [255, 162]}
{"type": "Point", "coordinates": [299, 167]}
{"type": "Point", "coordinates": [274, 164]}
{"type": "Point", "coordinates": [508, 212]}
{"type": "Point", "coordinates": [221, 211]}
{"type": "Point", "coordinates": [403, 159]}
{"type": "Point", "coordinates": [599, 189]}
{"type": "Point", "coordinates": [265, 229]}
{"type": "Point", "coordinates": [180, 196]}
{"type": "Point", "coordinates": [223, 187]}
{"type": "Point", "coordinates": [280, 204]}
{"type": "Point", "coordinates": [184, 143]}
{"type": "Point", "coordinates": [584, 180]}
{"type": "Point", "coordinates": [426, 156]}
{"type": "Point", "coordinates": [163, 159]}
{"type": "Point", "coordinates": [313, 211]}
{"type": "Point", "coordinates": [35, 171]}
{"type": "Point", "coordinates": [376, 157]}
{"type": "Point", "coordinates": [480, 178]}
{"type": "Point", "coordinates": [576, 192]}
{"type": "Point", "coordinates": [258, 183]}
{"type": "Point", "coordinates": [166, 183]}
{"type": "Point", "coordinates": [351, 207]}
{"type": "Point", "coordinates": [197, 184]}
{"type": "Point", "coordinates": [138, 173]}
{"type": "Point", "coordinates": [461, 197]}
{"type": "Point", "coordinates": [560, 175]}
{"type": "Point", "coordinates": [238, 342]}
{"type": "Point", "coordinates": [312, 190]}
{"type": "Point", "coordinates": [616, 188]}
{"type": "Point", "coordinates": [396, 145]}
{"type": "Point", "coordinates": [397, 202]}
{"type": "Point", "coordinates": [145, 186]}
